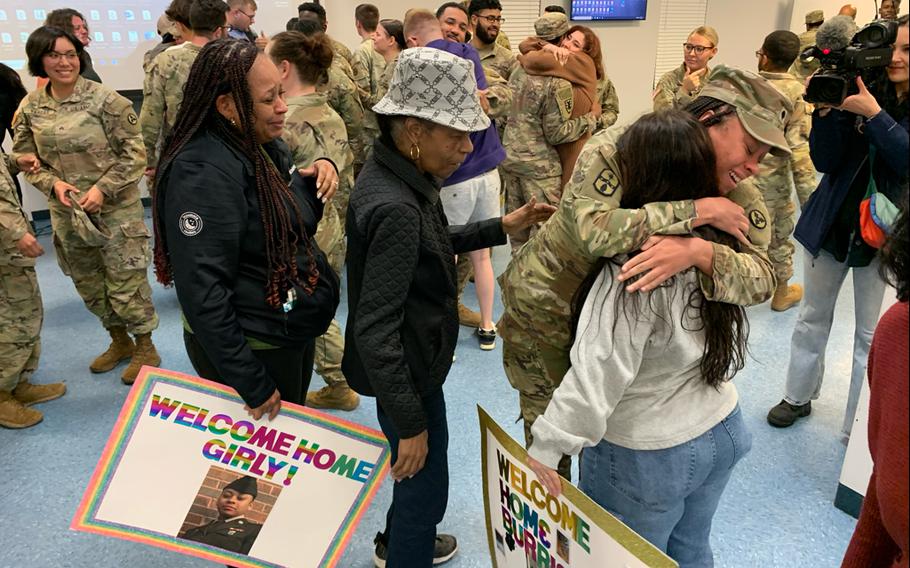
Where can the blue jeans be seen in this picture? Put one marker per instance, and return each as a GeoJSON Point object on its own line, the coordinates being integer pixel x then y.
{"type": "Point", "coordinates": [418, 503]}
{"type": "Point", "coordinates": [668, 496]}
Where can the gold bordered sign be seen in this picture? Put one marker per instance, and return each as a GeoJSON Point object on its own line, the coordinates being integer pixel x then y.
{"type": "Point", "coordinates": [526, 526]}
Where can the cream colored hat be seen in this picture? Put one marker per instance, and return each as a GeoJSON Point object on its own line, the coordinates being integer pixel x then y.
{"type": "Point", "coordinates": [437, 86]}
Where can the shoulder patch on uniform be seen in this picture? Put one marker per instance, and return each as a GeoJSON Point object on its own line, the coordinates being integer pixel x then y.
{"type": "Point", "coordinates": [606, 182]}
{"type": "Point", "coordinates": [565, 100]}
{"type": "Point", "coordinates": [757, 219]}
{"type": "Point", "coordinates": [190, 224]}
{"type": "Point", "coordinates": [132, 118]}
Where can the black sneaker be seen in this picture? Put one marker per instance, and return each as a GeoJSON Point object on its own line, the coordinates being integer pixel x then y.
{"type": "Point", "coordinates": [487, 338]}
{"type": "Point", "coordinates": [446, 548]}
{"type": "Point", "coordinates": [785, 414]}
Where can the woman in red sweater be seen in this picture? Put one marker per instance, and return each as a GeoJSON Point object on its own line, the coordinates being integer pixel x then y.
{"type": "Point", "coordinates": [882, 535]}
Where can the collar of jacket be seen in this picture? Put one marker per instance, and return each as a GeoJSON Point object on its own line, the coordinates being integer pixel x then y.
{"type": "Point", "coordinates": [82, 85]}
{"type": "Point", "coordinates": [406, 171]}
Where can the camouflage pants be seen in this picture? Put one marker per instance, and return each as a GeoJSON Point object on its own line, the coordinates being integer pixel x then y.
{"type": "Point", "coordinates": [782, 213]}
{"type": "Point", "coordinates": [330, 345]}
{"type": "Point", "coordinates": [111, 279]}
{"type": "Point", "coordinates": [21, 315]}
{"type": "Point", "coordinates": [520, 190]}
{"type": "Point", "coordinates": [535, 371]}
{"type": "Point", "coordinates": [465, 270]}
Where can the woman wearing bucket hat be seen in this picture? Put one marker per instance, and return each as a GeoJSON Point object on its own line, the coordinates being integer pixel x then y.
{"type": "Point", "coordinates": [403, 322]}
{"type": "Point", "coordinates": [88, 140]}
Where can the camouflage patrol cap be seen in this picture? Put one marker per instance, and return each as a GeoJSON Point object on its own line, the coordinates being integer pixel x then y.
{"type": "Point", "coordinates": [551, 26]}
{"type": "Point", "coordinates": [815, 17]}
{"type": "Point", "coordinates": [762, 109]}
{"type": "Point", "coordinates": [167, 26]}
{"type": "Point", "coordinates": [89, 226]}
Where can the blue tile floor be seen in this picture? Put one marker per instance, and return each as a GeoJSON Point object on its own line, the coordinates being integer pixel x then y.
{"type": "Point", "coordinates": [777, 510]}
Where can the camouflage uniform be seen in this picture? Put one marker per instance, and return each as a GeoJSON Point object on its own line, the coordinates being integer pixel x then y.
{"type": "Point", "coordinates": [802, 69]}
{"type": "Point", "coordinates": [669, 92]}
{"type": "Point", "coordinates": [342, 96]}
{"type": "Point", "coordinates": [498, 65]}
{"type": "Point", "coordinates": [369, 58]}
{"type": "Point", "coordinates": [313, 130]}
{"type": "Point", "coordinates": [384, 80]}
{"type": "Point", "coordinates": [539, 121]}
{"type": "Point", "coordinates": [502, 40]}
{"type": "Point", "coordinates": [539, 283]}
{"type": "Point", "coordinates": [92, 139]}
{"type": "Point", "coordinates": [773, 177]}
{"type": "Point", "coordinates": [352, 66]}
{"type": "Point", "coordinates": [162, 94]}
{"type": "Point", "coordinates": [609, 103]}
{"type": "Point", "coordinates": [21, 312]}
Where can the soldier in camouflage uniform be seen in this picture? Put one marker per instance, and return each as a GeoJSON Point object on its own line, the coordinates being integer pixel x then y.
{"type": "Point", "coordinates": [356, 72]}
{"type": "Point", "coordinates": [677, 87]}
{"type": "Point", "coordinates": [542, 278]}
{"type": "Point", "coordinates": [609, 103]}
{"type": "Point", "coordinates": [313, 130]}
{"type": "Point", "coordinates": [802, 69]}
{"type": "Point", "coordinates": [21, 312]}
{"type": "Point", "coordinates": [91, 150]}
{"type": "Point", "coordinates": [162, 90]}
{"type": "Point", "coordinates": [498, 61]}
{"type": "Point", "coordinates": [540, 120]}
{"type": "Point", "coordinates": [776, 55]}
{"type": "Point", "coordinates": [366, 18]}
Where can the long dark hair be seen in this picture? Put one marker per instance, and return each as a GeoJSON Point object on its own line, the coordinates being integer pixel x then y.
{"type": "Point", "coordinates": [883, 89]}
{"type": "Point", "coordinates": [895, 256]}
{"type": "Point", "coordinates": [221, 68]}
{"type": "Point", "coordinates": [669, 156]}
{"type": "Point", "coordinates": [592, 48]}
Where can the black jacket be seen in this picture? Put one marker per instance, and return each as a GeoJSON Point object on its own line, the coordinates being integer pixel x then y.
{"type": "Point", "coordinates": [402, 321]}
{"type": "Point", "coordinates": [209, 213]}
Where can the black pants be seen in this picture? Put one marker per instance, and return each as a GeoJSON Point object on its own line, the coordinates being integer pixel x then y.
{"type": "Point", "coordinates": [290, 367]}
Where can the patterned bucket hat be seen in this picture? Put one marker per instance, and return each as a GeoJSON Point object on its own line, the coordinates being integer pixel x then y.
{"type": "Point", "coordinates": [437, 86]}
{"type": "Point", "coordinates": [763, 110]}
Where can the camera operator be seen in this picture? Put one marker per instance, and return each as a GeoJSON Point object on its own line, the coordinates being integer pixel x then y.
{"type": "Point", "coordinates": [865, 137]}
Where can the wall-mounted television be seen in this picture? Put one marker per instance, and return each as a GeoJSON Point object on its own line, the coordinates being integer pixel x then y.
{"type": "Point", "coordinates": [588, 10]}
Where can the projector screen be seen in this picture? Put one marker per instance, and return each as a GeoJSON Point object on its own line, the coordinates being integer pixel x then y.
{"type": "Point", "coordinates": [121, 33]}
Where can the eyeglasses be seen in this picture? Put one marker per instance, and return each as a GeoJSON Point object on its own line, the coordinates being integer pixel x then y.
{"type": "Point", "coordinates": [250, 16]}
{"type": "Point", "coordinates": [493, 19]}
{"type": "Point", "coordinates": [696, 49]}
{"type": "Point", "coordinates": [759, 53]}
{"type": "Point", "coordinates": [56, 56]}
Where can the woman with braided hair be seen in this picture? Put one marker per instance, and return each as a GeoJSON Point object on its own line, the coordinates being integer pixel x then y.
{"type": "Point", "coordinates": [236, 238]}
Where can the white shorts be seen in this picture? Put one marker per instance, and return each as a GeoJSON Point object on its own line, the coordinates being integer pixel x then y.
{"type": "Point", "coordinates": [473, 200]}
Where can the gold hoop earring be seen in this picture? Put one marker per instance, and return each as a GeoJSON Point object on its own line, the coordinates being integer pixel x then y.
{"type": "Point", "coordinates": [414, 152]}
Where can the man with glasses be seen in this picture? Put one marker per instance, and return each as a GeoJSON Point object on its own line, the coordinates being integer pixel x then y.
{"type": "Point", "coordinates": [241, 15]}
{"type": "Point", "coordinates": [486, 23]}
{"type": "Point", "coordinates": [680, 86]}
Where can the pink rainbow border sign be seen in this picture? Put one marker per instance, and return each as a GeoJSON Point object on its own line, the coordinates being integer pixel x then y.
{"type": "Point", "coordinates": [85, 518]}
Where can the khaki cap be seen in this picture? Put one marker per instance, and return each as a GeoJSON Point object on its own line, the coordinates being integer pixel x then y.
{"type": "Point", "coordinates": [815, 17]}
{"type": "Point", "coordinates": [167, 26]}
{"type": "Point", "coordinates": [89, 227]}
{"type": "Point", "coordinates": [761, 108]}
{"type": "Point", "coordinates": [551, 26]}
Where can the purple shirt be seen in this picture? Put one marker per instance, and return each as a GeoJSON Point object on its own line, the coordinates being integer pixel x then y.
{"type": "Point", "coordinates": [488, 151]}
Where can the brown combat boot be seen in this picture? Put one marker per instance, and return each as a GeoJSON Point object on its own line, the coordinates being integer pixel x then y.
{"type": "Point", "coordinates": [120, 349]}
{"type": "Point", "coordinates": [145, 354]}
{"type": "Point", "coordinates": [29, 394]}
{"type": "Point", "coordinates": [335, 397]}
{"type": "Point", "coordinates": [786, 296]}
{"type": "Point", "coordinates": [468, 317]}
{"type": "Point", "coordinates": [14, 414]}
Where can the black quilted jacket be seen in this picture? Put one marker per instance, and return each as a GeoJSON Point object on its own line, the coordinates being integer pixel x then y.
{"type": "Point", "coordinates": [402, 321]}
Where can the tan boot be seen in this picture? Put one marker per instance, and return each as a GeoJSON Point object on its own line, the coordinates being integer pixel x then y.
{"type": "Point", "coordinates": [14, 414]}
{"type": "Point", "coordinates": [145, 354]}
{"type": "Point", "coordinates": [120, 349]}
{"type": "Point", "coordinates": [468, 317]}
{"type": "Point", "coordinates": [786, 296]}
{"type": "Point", "coordinates": [29, 394]}
{"type": "Point", "coordinates": [336, 397]}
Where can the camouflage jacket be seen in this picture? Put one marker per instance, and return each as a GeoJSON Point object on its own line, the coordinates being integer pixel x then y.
{"type": "Point", "coordinates": [498, 58]}
{"type": "Point", "coordinates": [498, 64]}
{"type": "Point", "coordinates": [609, 103]}
{"type": "Point", "coordinates": [13, 222]}
{"type": "Point", "coordinates": [353, 66]}
{"type": "Point", "coordinates": [374, 64]}
{"type": "Point", "coordinates": [540, 119]}
{"type": "Point", "coordinates": [341, 95]}
{"type": "Point", "coordinates": [543, 276]}
{"type": "Point", "coordinates": [313, 130]}
{"type": "Point", "coordinates": [802, 69]}
{"type": "Point", "coordinates": [774, 172]}
{"type": "Point", "coordinates": [669, 92]}
{"type": "Point", "coordinates": [90, 139]}
{"type": "Point", "coordinates": [502, 40]}
{"type": "Point", "coordinates": [384, 82]}
{"type": "Point", "coordinates": [162, 94]}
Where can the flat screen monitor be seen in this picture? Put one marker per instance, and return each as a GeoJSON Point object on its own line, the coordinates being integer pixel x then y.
{"type": "Point", "coordinates": [587, 10]}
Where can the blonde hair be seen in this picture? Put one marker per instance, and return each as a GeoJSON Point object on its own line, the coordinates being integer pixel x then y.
{"type": "Point", "coordinates": [417, 21]}
{"type": "Point", "coordinates": [707, 32]}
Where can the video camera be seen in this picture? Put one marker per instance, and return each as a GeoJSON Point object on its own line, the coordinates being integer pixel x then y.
{"type": "Point", "coordinates": [869, 48]}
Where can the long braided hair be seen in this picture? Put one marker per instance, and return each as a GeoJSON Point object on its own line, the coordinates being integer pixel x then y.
{"type": "Point", "coordinates": [221, 68]}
